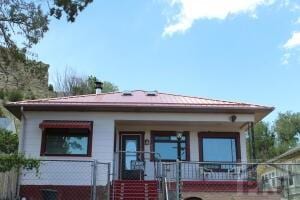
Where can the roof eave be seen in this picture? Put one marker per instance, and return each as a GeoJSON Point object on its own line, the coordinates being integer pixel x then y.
{"type": "Point", "coordinates": [260, 113]}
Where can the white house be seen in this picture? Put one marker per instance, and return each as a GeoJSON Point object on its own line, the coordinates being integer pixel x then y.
{"type": "Point", "coordinates": [137, 131]}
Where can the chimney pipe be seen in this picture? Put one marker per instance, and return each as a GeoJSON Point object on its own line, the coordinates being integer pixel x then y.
{"type": "Point", "coordinates": [99, 87]}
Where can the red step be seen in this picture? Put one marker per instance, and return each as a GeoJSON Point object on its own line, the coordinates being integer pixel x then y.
{"type": "Point", "coordinates": [134, 190]}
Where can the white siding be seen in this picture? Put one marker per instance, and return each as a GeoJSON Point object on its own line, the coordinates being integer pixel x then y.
{"type": "Point", "coordinates": [104, 130]}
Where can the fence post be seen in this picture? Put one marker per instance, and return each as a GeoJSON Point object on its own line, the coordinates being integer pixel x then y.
{"type": "Point", "coordinates": [94, 197]}
{"type": "Point", "coordinates": [108, 180]}
{"type": "Point", "coordinates": [178, 180]}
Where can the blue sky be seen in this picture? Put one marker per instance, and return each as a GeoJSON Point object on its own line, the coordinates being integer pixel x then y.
{"type": "Point", "coordinates": [225, 49]}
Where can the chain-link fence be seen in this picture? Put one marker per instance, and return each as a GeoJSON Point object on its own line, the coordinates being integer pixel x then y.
{"type": "Point", "coordinates": [262, 181]}
{"type": "Point", "coordinates": [67, 180]}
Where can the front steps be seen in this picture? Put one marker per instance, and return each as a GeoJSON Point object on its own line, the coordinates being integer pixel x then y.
{"type": "Point", "coordinates": [134, 190]}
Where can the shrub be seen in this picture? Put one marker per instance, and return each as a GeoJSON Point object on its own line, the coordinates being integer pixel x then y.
{"type": "Point", "coordinates": [1, 113]}
{"type": "Point", "coordinates": [2, 94]}
{"type": "Point", "coordinates": [30, 95]}
{"type": "Point", "coordinates": [51, 88]}
{"type": "Point", "coordinates": [9, 157]}
{"type": "Point", "coordinates": [15, 95]}
{"type": "Point", "coordinates": [8, 142]}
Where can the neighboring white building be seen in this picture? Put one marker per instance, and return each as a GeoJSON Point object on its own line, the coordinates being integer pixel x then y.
{"type": "Point", "coordinates": [287, 174]}
{"type": "Point", "coordinates": [8, 124]}
{"type": "Point", "coordinates": [101, 126]}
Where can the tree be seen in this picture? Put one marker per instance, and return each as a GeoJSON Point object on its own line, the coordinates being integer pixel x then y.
{"type": "Point", "coordinates": [27, 19]}
{"type": "Point", "coordinates": [9, 157]}
{"type": "Point", "coordinates": [23, 23]}
{"type": "Point", "coordinates": [70, 83]}
{"type": "Point", "coordinates": [287, 129]}
{"type": "Point", "coordinates": [70, 7]}
{"type": "Point", "coordinates": [265, 142]}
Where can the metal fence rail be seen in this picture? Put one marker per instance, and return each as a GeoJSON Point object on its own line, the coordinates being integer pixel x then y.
{"type": "Point", "coordinates": [249, 178]}
{"type": "Point", "coordinates": [67, 179]}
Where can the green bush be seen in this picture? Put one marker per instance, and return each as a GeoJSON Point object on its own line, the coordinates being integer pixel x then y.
{"type": "Point", "coordinates": [16, 161]}
{"type": "Point", "coordinates": [8, 142]}
{"type": "Point", "coordinates": [1, 112]}
{"type": "Point", "coordinates": [51, 88]}
{"type": "Point", "coordinates": [30, 95]}
{"type": "Point", "coordinates": [9, 157]}
{"type": "Point", "coordinates": [15, 95]}
{"type": "Point", "coordinates": [2, 94]}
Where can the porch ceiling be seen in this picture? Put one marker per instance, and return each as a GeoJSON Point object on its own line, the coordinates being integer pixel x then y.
{"type": "Point", "coordinates": [184, 124]}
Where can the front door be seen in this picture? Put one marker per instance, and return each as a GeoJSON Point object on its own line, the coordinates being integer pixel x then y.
{"type": "Point", "coordinates": [132, 164]}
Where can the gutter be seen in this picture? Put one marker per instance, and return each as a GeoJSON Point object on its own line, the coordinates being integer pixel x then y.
{"type": "Point", "coordinates": [21, 135]}
{"type": "Point", "coordinates": [21, 148]}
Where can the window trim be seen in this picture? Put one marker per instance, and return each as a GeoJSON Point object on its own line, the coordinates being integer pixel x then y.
{"type": "Point", "coordinates": [220, 135]}
{"type": "Point", "coordinates": [89, 144]}
{"type": "Point", "coordinates": [173, 133]}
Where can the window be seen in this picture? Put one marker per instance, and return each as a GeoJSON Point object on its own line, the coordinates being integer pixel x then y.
{"type": "Point", "coordinates": [165, 144]}
{"type": "Point", "coordinates": [219, 147]}
{"type": "Point", "coordinates": [66, 142]}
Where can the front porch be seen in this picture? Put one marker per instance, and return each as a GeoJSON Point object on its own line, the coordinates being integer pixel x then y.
{"type": "Point", "coordinates": [213, 156]}
{"type": "Point", "coordinates": [140, 146]}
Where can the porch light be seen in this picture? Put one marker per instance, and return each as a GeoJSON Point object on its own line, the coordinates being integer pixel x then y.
{"type": "Point", "coordinates": [179, 135]}
{"type": "Point", "coordinates": [147, 141]}
{"type": "Point", "coordinates": [233, 118]}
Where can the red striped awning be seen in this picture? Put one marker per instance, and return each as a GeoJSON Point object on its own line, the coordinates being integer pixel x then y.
{"type": "Point", "coordinates": [66, 124]}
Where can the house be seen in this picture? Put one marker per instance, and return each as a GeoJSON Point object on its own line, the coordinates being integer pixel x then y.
{"type": "Point", "coordinates": [7, 124]}
{"type": "Point", "coordinates": [286, 173]}
{"type": "Point", "coordinates": [129, 142]}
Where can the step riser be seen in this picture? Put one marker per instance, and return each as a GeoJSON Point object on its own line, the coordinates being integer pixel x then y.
{"type": "Point", "coordinates": [134, 190]}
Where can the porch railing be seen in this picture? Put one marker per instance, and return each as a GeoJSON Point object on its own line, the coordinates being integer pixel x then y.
{"type": "Point", "coordinates": [136, 165]}
{"type": "Point", "coordinates": [267, 178]}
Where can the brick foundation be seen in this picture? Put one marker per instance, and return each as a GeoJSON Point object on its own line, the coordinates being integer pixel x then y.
{"type": "Point", "coordinates": [34, 192]}
{"type": "Point", "coordinates": [232, 196]}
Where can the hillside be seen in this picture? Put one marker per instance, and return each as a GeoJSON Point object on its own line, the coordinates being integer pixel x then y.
{"type": "Point", "coordinates": [30, 78]}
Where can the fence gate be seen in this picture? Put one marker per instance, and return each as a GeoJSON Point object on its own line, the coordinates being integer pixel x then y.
{"type": "Point", "coordinates": [101, 181]}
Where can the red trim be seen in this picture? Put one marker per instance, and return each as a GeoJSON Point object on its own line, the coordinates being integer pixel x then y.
{"type": "Point", "coordinates": [235, 135]}
{"type": "Point", "coordinates": [142, 144]}
{"type": "Point", "coordinates": [64, 192]}
{"type": "Point", "coordinates": [218, 186]}
{"type": "Point", "coordinates": [89, 134]}
{"type": "Point", "coordinates": [141, 133]}
{"type": "Point", "coordinates": [65, 124]}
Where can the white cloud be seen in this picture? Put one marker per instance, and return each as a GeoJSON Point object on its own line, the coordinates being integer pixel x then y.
{"type": "Point", "coordinates": [192, 10]}
{"type": "Point", "coordinates": [293, 42]}
{"type": "Point", "coordinates": [285, 58]}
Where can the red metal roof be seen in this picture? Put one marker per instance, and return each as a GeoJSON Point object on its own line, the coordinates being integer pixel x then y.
{"type": "Point", "coordinates": [138, 98]}
{"type": "Point", "coordinates": [138, 101]}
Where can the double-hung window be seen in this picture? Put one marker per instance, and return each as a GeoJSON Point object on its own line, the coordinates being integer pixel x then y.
{"type": "Point", "coordinates": [164, 144]}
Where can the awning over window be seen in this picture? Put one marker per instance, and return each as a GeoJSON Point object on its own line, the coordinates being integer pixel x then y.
{"type": "Point", "coordinates": [66, 124]}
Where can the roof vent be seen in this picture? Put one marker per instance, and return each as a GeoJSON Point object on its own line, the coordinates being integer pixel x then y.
{"type": "Point", "coordinates": [127, 93]}
{"type": "Point", "coordinates": [151, 93]}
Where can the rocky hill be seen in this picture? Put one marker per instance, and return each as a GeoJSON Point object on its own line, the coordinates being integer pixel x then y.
{"type": "Point", "coordinates": [30, 78]}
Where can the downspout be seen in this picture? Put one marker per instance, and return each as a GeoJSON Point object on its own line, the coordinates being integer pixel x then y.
{"type": "Point", "coordinates": [21, 135]}
{"type": "Point", "coordinates": [21, 148]}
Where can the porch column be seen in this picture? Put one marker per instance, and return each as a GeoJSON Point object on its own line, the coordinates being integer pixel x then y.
{"type": "Point", "coordinates": [252, 141]}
